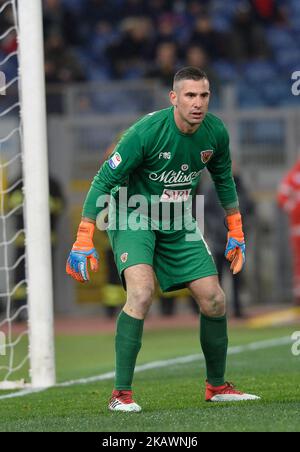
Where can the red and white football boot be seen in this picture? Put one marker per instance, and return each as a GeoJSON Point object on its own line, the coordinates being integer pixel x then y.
{"type": "Point", "coordinates": [226, 393]}
{"type": "Point", "coordinates": [122, 401]}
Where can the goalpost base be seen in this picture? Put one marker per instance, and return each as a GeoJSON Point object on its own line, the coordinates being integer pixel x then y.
{"type": "Point", "coordinates": [6, 385]}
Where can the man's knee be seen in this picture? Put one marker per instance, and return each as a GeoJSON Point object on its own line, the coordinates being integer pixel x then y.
{"type": "Point", "coordinates": [140, 290]}
{"type": "Point", "coordinates": [139, 300]}
{"type": "Point", "coordinates": [214, 305]}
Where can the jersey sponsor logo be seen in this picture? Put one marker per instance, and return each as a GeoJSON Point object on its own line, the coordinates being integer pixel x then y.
{"type": "Point", "coordinates": [115, 161]}
{"type": "Point", "coordinates": [206, 156]}
{"type": "Point", "coordinates": [124, 257]}
{"type": "Point", "coordinates": [164, 155]}
{"type": "Point", "coordinates": [175, 195]}
{"type": "Point", "coordinates": [173, 178]}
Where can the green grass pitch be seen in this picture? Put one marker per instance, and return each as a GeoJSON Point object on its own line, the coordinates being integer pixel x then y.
{"type": "Point", "coordinates": [172, 397]}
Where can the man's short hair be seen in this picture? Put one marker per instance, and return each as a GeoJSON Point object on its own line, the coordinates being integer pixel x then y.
{"type": "Point", "coordinates": [189, 73]}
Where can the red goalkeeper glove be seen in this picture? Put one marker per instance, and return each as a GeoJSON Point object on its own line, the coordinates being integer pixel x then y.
{"type": "Point", "coordinates": [235, 249]}
{"type": "Point", "coordinates": [83, 251]}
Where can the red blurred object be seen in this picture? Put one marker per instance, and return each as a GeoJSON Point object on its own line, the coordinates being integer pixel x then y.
{"type": "Point", "coordinates": [289, 201]}
{"type": "Point", "coordinates": [265, 8]}
{"type": "Point", "coordinates": [10, 43]}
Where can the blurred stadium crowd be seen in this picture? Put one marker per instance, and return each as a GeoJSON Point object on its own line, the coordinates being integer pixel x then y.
{"type": "Point", "coordinates": [252, 43]}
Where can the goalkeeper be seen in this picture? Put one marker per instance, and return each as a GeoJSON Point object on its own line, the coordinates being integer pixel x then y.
{"type": "Point", "coordinates": [163, 154]}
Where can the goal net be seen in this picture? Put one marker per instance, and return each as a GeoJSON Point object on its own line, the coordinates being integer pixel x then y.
{"type": "Point", "coordinates": [26, 319]}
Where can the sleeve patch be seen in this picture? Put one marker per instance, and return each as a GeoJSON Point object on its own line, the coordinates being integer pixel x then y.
{"type": "Point", "coordinates": [115, 161]}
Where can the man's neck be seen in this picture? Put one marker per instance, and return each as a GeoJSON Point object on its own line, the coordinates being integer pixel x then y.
{"type": "Point", "coordinates": [184, 126]}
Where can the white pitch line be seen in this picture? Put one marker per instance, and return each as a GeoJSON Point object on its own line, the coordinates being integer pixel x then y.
{"type": "Point", "coordinates": [261, 345]}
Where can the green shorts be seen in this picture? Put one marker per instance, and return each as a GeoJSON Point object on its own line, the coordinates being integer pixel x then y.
{"type": "Point", "coordinates": [175, 260]}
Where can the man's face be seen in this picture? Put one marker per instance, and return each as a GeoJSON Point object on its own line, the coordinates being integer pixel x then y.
{"type": "Point", "coordinates": [190, 99]}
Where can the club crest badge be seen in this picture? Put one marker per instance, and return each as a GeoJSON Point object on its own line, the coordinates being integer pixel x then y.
{"type": "Point", "coordinates": [206, 156]}
{"type": "Point", "coordinates": [124, 257]}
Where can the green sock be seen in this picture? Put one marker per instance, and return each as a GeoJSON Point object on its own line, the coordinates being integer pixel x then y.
{"type": "Point", "coordinates": [214, 342]}
{"type": "Point", "coordinates": [128, 343]}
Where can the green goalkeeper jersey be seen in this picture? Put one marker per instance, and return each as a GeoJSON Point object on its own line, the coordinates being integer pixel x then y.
{"type": "Point", "coordinates": [157, 160]}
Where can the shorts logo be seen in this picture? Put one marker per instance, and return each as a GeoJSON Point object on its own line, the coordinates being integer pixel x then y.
{"type": "Point", "coordinates": [206, 156]}
{"type": "Point", "coordinates": [124, 257]}
{"type": "Point", "coordinates": [115, 160]}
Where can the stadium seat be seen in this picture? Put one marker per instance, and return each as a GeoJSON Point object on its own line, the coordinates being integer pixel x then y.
{"type": "Point", "coordinates": [122, 100]}
{"type": "Point", "coordinates": [269, 131]}
{"type": "Point", "coordinates": [259, 71]}
{"type": "Point", "coordinates": [260, 132]}
{"type": "Point", "coordinates": [279, 38]}
{"type": "Point", "coordinates": [248, 96]}
{"type": "Point", "coordinates": [74, 5]}
{"type": "Point", "coordinates": [225, 70]}
{"type": "Point", "coordinates": [294, 6]}
{"type": "Point", "coordinates": [223, 9]}
{"type": "Point", "coordinates": [295, 22]}
{"type": "Point", "coordinates": [287, 59]}
{"type": "Point", "coordinates": [276, 92]}
{"type": "Point", "coordinates": [96, 73]}
{"type": "Point", "coordinates": [221, 23]}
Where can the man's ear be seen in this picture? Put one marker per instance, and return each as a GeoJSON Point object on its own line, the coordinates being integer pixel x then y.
{"type": "Point", "coordinates": [173, 98]}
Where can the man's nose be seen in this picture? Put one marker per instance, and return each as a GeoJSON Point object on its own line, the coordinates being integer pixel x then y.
{"type": "Point", "coordinates": [198, 102]}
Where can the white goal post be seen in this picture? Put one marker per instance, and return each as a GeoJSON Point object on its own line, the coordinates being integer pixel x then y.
{"type": "Point", "coordinates": [36, 187]}
{"type": "Point", "coordinates": [32, 130]}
